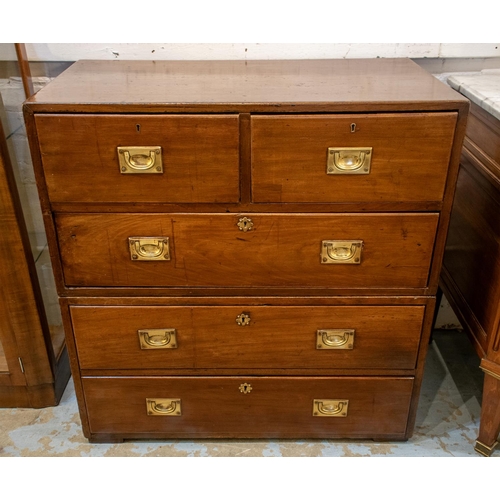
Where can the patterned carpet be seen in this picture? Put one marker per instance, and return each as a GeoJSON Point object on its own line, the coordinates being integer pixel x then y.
{"type": "Point", "coordinates": [446, 426]}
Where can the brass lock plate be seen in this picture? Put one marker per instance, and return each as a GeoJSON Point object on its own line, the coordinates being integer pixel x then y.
{"type": "Point", "coordinates": [245, 388]}
{"type": "Point", "coordinates": [335, 339]}
{"type": "Point", "coordinates": [330, 407]}
{"type": "Point", "coordinates": [158, 338]}
{"type": "Point", "coordinates": [243, 319]}
{"type": "Point", "coordinates": [245, 224]}
{"type": "Point", "coordinates": [163, 407]}
{"type": "Point", "coordinates": [341, 251]}
{"type": "Point", "coordinates": [349, 161]}
{"type": "Point", "coordinates": [140, 160]}
{"type": "Point", "coordinates": [149, 248]}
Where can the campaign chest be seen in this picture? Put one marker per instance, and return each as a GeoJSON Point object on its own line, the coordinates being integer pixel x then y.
{"type": "Point", "coordinates": [247, 249]}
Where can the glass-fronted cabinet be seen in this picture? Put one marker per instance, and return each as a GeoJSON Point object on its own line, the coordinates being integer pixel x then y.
{"type": "Point", "coordinates": [34, 368]}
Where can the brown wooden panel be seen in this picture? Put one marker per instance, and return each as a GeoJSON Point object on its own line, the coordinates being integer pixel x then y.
{"type": "Point", "coordinates": [276, 337]}
{"type": "Point", "coordinates": [472, 256]}
{"type": "Point", "coordinates": [280, 250]}
{"type": "Point", "coordinates": [409, 162]}
{"type": "Point", "coordinates": [483, 131]}
{"type": "Point", "coordinates": [275, 86]}
{"type": "Point", "coordinates": [80, 159]}
{"type": "Point", "coordinates": [276, 406]}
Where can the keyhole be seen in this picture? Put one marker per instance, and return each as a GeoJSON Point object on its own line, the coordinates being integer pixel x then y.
{"type": "Point", "coordinates": [245, 388]}
{"type": "Point", "coordinates": [353, 127]}
{"type": "Point", "coordinates": [138, 127]}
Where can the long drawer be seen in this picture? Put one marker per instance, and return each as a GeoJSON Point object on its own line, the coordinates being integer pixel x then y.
{"type": "Point", "coordinates": [309, 337]}
{"type": "Point", "coordinates": [351, 158]}
{"type": "Point", "coordinates": [162, 159]}
{"type": "Point", "coordinates": [264, 407]}
{"type": "Point", "coordinates": [228, 250]}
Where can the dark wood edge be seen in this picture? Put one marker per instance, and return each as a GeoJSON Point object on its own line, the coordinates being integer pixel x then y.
{"type": "Point", "coordinates": [63, 374]}
{"type": "Point", "coordinates": [247, 372]}
{"type": "Point", "coordinates": [250, 207]}
{"type": "Point", "coordinates": [75, 366]}
{"type": "Point", "coordinates": [268, 108]}
{"type": "Point", "coordinates": [384, 300]}
{"type": "Point", "coordinates": [192, 292]}
{"type": "Point", "coordinates": [245, 159]}
{"type": "Point", "coordinates": [427, 325]}
{"type": "Point", "coordinates": [101, 438]}
{"type": "Point", "coordinates": [486, 165]}
{"type": "Point", "coordinates": [444, 219]}
{"type": "Point", "coordinates": [467, 319]}
{"type": "Point", "coordinates": [31, 132]}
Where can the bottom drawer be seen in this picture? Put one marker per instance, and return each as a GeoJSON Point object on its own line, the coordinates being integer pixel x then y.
{"type": "Point", "coordinates": [248, 407]}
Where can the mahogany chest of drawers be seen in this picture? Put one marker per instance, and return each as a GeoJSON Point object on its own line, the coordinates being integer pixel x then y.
{"type": "Point", "coordinates": [247, 249]}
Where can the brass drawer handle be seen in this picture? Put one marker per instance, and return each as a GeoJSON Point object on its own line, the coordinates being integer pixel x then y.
{"type": "Point", "coordinates": [341, 252]}
{"type": "Point", "coordinates": [161, 338]}
{"type": "Point", "coordinates": [335, 339]}
{"type": "Point", "coordinates": [163, 407]}
{"type": "Point", "coordinates": [140, 160]}
{"type": "Point", "coordinates": [348, 161]}
{"type": "Point", "coordinates": [149, 248]}
{"type": "Point", "coordinates": [330, 407]}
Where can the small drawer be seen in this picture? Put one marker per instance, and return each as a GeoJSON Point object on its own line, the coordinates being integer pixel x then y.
{"type": "Point", "coordinates": [140, 159]}
{"type": "Point", "coordinates": [351, 158]}
{"type": "Point", "coordinates": [263, 337]}
{"type": "Point", "coordinates": [258, 250]}
{"type": "Point", "coordinates": [249, 407]}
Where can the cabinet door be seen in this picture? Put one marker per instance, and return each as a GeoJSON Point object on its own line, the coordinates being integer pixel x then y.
{"type": "Point", "coordinates": [27, 358]}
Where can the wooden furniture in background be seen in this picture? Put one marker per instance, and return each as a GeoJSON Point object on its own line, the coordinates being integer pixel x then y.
{"type": "Point", "coordinates": [33, 371]}
{"type": "Point", "coordinates": [247, 249]}
{"type": "Point", "coordinates": [24, 69]}
{"type": "Point", "coordinates": [471, 271]}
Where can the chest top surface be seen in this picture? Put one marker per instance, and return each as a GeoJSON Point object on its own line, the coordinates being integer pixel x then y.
{"type": "Point", "coordinates": [239, 86]}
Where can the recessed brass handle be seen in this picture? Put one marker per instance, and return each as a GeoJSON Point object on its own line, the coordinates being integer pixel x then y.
{"type": "Point", "coordinates": [140, 160]}
{"type": "Point", "coordinates": [341, 252]}
{"type": "Point", "coordinates": [158, 338]}
{"type": "Point", "coordinates": [163, 407]}
{"type": "Point", "coordinates": [330, 407]}
{"type": "Point", "coordinates": [348, 161]}
{"type": "Point", "coordinates": [335, 339]}
{"type": "Point", "coordinates": [149, 248]}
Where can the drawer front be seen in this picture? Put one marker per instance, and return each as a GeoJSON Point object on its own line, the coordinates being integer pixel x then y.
{"type": "Point", "coordinates": [408, 160]}
{"type": "Point", "coordinates": [199, 158]}
{"type": "Point", "coordinates": [249, 407]}
{"type": "Point", "coordinates": [218, 250]}
{"type": "Point", "coordinates": [168, 337]}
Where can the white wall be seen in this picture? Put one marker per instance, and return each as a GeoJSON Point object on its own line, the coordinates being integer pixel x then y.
{"type": "Point", "coordinates": [76, 51]}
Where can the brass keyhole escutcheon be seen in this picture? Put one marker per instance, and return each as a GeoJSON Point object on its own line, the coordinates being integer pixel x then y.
{"type": "Point", "coordinates": [243, 319]}
{"type": "Point", "coordinates": [245, 224]}
{"type": "Point", "coordinates": [245, 388]}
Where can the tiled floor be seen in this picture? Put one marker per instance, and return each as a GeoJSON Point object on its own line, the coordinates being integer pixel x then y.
{"type": "Point", "coordinates": [446, 425]}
